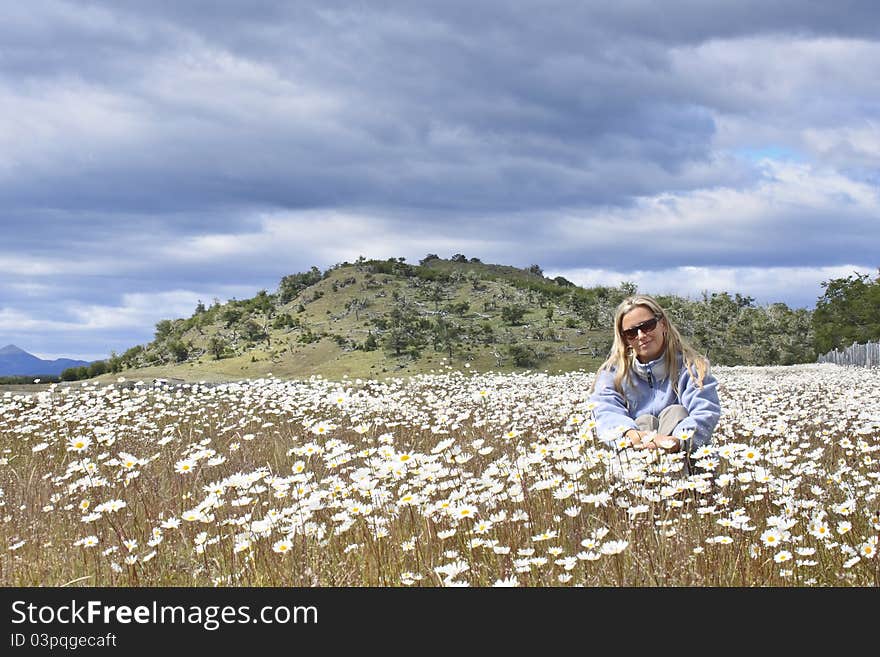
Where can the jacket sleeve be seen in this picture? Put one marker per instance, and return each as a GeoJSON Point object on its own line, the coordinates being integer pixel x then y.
{"type": "Point", "coordinates": [609, 409]}
{"type": "Point", "coordinates": [703, 409]}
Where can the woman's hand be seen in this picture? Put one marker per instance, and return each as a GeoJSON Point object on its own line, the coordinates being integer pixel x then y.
{"type": "Point", "coordinates": [650, 440]}
{"type": "Point", "coordinates": [666, 443]}
{"type": "Point", "coordinates": [638, 439]}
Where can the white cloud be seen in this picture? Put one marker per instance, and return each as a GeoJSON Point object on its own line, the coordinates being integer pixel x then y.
{"type": "Point", "coordinates": [135, 311]}
{"type": "Point", "coordinates": [30, 289]}
{"type": "Point", "coordinates": [52, 356]}
{"type": "Point", "coordinates": [805, 94]}
{"type": "Point", "coordinates": [30, 266]}
{"type": "Point", "coordinates": [777, 72]}
{"type": "Point", "coordinates": [851, 145]}
{"type": "Point", "coordinates": [130, 253]}
{"type": "Point", "coordinates": [63, 123]}
{"type": "Point", "coordinates": [765, 284]}
{"type": "Point", "coordinates": [196, 81]}
{"type": "Point", "coordinates": [795, 212]}
{"type": "Point", "coordinates": [12, 320]}
{"type": "Point", "coordinates": [329, 237]}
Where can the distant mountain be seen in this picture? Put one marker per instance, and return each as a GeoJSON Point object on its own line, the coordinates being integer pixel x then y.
{"type": "Point", "coordinates": [17, 362]}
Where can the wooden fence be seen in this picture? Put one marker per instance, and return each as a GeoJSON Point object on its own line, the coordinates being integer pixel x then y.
{"type": "Point", "coordinates": [863, 355]}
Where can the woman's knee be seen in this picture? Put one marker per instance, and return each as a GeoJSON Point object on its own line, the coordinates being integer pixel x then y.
{"type": "Point", "coordinates": [671, 416]}
{"type": "Point", "coordinates": [675, 410]}
{"type": "Point", "coordinates": [647, 423]}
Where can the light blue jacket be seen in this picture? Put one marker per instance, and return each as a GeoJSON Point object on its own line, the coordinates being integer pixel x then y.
{"type": "Point", "coordinates": [648, 391]}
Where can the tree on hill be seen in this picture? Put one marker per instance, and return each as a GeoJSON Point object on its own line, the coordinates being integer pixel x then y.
{"type": "Point", "coordinates": [178, 351]}
{"type": "Point", "coordinates": [731, 330]}
{"type": "Point", "coordinates": [847, 312]}
{"type": "Point", "coordinates": [525, 355]}
{"type": "Point", "coordinates": [475, 281]}
{"type": "Point", "coordinates": [446, 334]}
{"type": "Point", "coordinates": [75, 373]}
{"type": "Point", "coordinates": [97, 368]}
{"type": "Point", "coordinates": [164, 328]}
{"type": "Point", "coordinates": [251, 331]}
{"type": "Point", "coordinates": [115, 363]}
{"type": "Point", "coordinates": [710, 330]}
{"type": "Point", "coordinates": [293, 284]}
{"type": "Point", "coordinates": [437, 293]}
{"type": "Point", "coordinates": [370, 344]}
{"type": "Point", "coordinates": [404, 329]}
{"type": "Point", "coordinates": [597, 304]}
{"type": "Point", "coordinates": [217, 346]}
{"type": "Point", "coordinates": [513, 315]}
{"type": "Point", "coordinates": [264, 304]}
{"type": "Point", "coordinates": [231, 315]}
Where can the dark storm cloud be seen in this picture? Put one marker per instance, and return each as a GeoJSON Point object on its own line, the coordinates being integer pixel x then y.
{"type": "Point", "coordinates": [457, 105]}
{"type": "Point", "coordinates": [442, 108]}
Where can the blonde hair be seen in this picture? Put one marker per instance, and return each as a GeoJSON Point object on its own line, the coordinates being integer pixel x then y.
{"type": "Point", "coordinates": [621, 355]}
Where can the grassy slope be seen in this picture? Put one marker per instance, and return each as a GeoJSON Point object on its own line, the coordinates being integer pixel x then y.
{"type": "Point", "coordinates": [286, 357]}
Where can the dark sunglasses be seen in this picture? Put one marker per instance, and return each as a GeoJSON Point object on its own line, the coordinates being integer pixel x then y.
{"type": "Point", "coordinates": [645, 327]}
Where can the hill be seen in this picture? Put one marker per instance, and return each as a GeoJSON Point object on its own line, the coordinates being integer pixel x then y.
{"type": "Point", "coordinates": [15, 361]}
{"type": "Point", "coordinates": [375, 318]}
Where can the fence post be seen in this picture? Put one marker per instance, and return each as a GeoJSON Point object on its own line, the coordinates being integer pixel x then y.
{"type": "Point", "coordinates": [861, 355]}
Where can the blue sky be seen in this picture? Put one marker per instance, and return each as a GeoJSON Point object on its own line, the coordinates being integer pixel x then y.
{"type": "Point", "coordinates": [156, 153]}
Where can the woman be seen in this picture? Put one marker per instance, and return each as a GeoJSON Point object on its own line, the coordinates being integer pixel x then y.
{"type": "Point", "coordinates": [655, 390]}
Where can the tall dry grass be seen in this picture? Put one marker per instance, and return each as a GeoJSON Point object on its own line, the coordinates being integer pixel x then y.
{"type": "Point", "coordinates": [443, 480]}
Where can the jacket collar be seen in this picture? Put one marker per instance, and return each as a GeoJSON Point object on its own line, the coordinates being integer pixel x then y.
{"type": "Point", "coordinates": [651, 371]}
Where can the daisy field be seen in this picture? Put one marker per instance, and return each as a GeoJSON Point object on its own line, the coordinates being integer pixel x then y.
{"type": "Point", "coordinates": [450, 479]}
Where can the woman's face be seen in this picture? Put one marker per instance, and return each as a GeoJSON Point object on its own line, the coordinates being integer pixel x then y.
{"type": "Point", "coordinates": [647, 345]}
